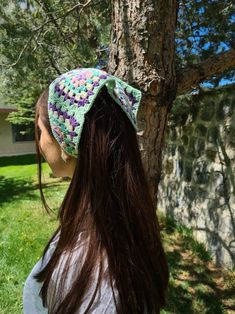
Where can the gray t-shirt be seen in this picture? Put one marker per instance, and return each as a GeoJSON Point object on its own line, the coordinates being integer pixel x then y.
{"type": "Point", "coordinates": [32, 302]}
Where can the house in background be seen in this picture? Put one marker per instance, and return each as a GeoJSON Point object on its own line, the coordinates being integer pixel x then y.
{"type": "Point", "coordinates": [12, 142]}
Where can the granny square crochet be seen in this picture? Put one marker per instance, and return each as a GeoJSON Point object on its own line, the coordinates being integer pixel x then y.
{"type": "Point", "coordinates": [71, 96]}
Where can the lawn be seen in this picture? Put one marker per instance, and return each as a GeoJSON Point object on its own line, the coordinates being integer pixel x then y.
{"type": "Point", "coordinates": [24, 226]}
{"type": "Point", "coordinates": [196, 285]}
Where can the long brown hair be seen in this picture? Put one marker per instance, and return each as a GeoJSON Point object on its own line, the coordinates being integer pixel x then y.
{"type": "Point", "coordinates": [109, 197]}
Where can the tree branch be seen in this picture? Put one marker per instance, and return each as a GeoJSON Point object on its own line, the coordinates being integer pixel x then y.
{"type": "Point", "coordinates": [53, 63]}
{"type": "Point", "coordinates": [48, 20]}
{"type": "Point", "coordinates": [45, 7]}
{"type": "Point", "coordinates": [20, 55]}
{"type": "Point", "coordinates": [83, 6]}
{"type": "Point", "coordinates": [46, 10]}
{"type": "Point", "coordinates": [197, 73]}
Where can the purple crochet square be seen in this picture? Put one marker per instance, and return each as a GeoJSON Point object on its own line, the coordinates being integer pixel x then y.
{"type": "Point", "coordinates": [82, 102]}
{"type": "Point", "coordinates": [72, 133]}
{"type": "Point", "coordinates": [89, 93]}
{"type": "Point", "coordinates": [103, 76]}
{"type": "Point", "coordinates": [65, 115]}
{"type": "Point", "coordinates": [73, 122]}
{"type": "Point", "coordinates": [72, 100]}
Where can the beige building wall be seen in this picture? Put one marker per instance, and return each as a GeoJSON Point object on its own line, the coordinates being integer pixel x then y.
{"type": "Point", "coordinates": [7, 146]}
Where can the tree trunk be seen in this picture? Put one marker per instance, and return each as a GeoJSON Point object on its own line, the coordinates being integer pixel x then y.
{"type": "Point", "coordinates": [142, 52]}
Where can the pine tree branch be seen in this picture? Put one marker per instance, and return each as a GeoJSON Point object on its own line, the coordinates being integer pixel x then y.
{"type": "Point", "coordinates": [191, 76]}
{"type": "Point", "coordinates": [48, 20]}
{"type": "Point", "coordinates": [83, 6]}
{"type": "Point", "coordinates": [46, 10]}
{"type": "Point", "coordinates": [20, 55]}
{"type": "Point", "coordinates": [45, 7]}
{"type": "Point", "coordinates": [53, 63]}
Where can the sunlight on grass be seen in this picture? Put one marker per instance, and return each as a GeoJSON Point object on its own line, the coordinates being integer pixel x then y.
{"type": "Point", "coordinates": [196, 285]}
{"type": "Point", "coordinates": [25, 227]}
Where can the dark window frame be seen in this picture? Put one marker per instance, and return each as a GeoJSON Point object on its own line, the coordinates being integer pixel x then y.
{"type": "Point", "coordinates": [18, 137]}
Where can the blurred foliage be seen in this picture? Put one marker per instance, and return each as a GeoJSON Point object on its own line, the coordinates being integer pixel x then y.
{"type": "Point", "coordinates": [44, 38]}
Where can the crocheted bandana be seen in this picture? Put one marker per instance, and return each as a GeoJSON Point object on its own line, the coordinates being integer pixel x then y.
{"type": "Point", "coordinates": [71, 96]}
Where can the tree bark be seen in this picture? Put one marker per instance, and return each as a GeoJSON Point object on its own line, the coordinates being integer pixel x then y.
{"type": "Point", "coordinates": [142, 52]}
{"type": "Point", "coordinates": [189, 77]}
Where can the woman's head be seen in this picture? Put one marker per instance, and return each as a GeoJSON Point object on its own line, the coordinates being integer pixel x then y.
{"type": "Point", "coordinates": [109, 197]}
{"type": "Point", "coordinates": [61, 112]}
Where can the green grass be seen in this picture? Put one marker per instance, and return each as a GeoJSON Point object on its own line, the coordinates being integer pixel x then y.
{"type": "Point", "coordinates": [196, 285]}
{"type": "Point", "coordinates": [190, 243]}
{"type": "Point", "coordinates": [25, 228]}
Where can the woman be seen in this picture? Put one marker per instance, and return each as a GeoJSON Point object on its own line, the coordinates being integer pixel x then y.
{"type": "Point", "coordinates": [106, 255]}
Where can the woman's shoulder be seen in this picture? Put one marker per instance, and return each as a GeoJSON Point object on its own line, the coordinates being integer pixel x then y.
{"type": "Point", "coordinates": [74, 263]}
{"type": "Point", "coordinates": [82, 236]}
{"type": "Point", "coordinates": [75, 258]}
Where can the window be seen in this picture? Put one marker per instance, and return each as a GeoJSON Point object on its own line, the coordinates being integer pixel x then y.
{"type": "Point", "coordinates": [17, 136]}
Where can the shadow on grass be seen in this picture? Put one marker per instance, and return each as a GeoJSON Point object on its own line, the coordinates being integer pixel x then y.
{"type": "Point", "coordinates": [196, 285]}
{"type": "Point", "coordinates": [14, 188]}
{"type": "Point", "coordinates": [200, 294]}
{"type": "Point", "coordinates": [18, 160]}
